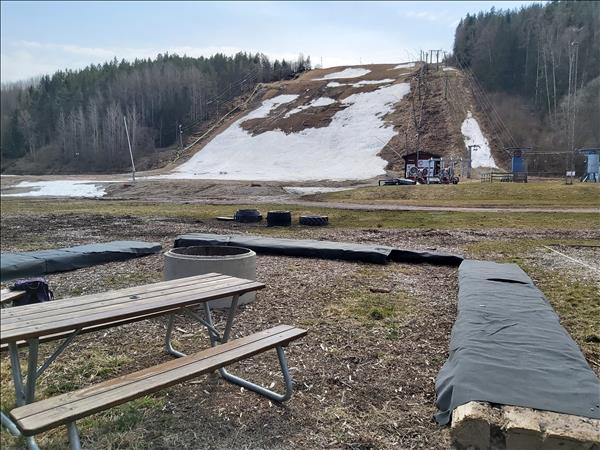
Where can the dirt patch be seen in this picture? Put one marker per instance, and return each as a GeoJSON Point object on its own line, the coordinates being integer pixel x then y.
{"type": "Point", "coordinates": [310, 87]}
{"type": "Point", "coordinates": [442, 117]}
{"type": "Point", "coordinates": [364, 375]}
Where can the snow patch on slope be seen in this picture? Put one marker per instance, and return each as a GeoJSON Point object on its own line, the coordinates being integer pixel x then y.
{"type": "Point", "coordinates": [472, 134]}
{"type": "Point", "coordinates": [404, 66]}
{"type": "Point", "coordinates": [269, 105]}
{"type": "Point", "coordinates": [60, 188]}
{"type": "Point", "coordinates": [321, 101]}
{"type": "Point", "coordinates": [366, 82]}
{"type": "Point", "coordinates": [334, 84]}
{"type": "Point", "coordinates": [346, 149]}
{"type": "Point", "coordinates": [351, 72]}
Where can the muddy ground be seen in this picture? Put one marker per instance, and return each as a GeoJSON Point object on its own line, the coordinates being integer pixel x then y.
{"type": "Point", "coordinates": [364, 375]}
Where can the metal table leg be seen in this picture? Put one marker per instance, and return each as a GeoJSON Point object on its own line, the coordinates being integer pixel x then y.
{"type": "Point", "coordinates": [74, 442]}
{"type": "Point", "coordinates": [241, 381]}
{"type": "Point", "coordinates": [25, 390]}
{"type": "Point", "coordinates": [216, 338]}
{"type": "Point", "coordinates": [9, 425]}
{"type": "Point", "coordinates": [168, 343]}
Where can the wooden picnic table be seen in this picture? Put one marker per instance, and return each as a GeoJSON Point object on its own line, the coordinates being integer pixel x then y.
{"type": "Point", "coordinates": [43, 319]}
{"type": "Point", "coordinates": [30, 324]}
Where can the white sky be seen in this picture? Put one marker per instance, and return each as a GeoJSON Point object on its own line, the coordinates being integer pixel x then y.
{"type": "Point", "coordinates": [42, 37]}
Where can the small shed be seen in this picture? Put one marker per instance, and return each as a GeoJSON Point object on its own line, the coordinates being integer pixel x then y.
{"type": "Point", "coordinates": [427, 160]}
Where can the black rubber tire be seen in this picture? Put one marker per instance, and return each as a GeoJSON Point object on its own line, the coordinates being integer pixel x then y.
{"type": "Point", "coordinates": [314, 221]}
{"type": "Point", "coordinates": [279, 219]}
{"type": "Point", "coordinates": [247, 215]}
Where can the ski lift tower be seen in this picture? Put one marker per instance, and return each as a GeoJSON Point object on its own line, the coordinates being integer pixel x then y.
{"type": "Point", "coordinates": [592, 174]}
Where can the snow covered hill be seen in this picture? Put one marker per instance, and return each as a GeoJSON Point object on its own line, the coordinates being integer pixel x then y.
{"type": "Point", "coordinates": [345, 123]}
{"type": "Point", "coordinates": [346, 148]}
{"type": "Point", "coordinates": [329, 125]}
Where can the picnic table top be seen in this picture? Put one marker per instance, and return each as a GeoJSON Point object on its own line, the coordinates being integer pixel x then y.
{"type": "Point", "coordinates": [73, 313]}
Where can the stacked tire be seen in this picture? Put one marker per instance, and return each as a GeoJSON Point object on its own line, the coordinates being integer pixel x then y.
{"type": "Point", "coordinates": [279, 219]}
{"type": "Point", "coordinates": [247, 216]}
{"type": "Point", "coordinates": [314, 221]}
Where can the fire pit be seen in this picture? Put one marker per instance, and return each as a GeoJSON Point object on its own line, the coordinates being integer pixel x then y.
{"type": "Point", "coordinates": [197, 260]}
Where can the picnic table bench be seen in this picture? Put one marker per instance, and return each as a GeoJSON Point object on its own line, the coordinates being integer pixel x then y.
{"type": "Point", "coordinates": [28, 325]}
{"type": "Point", "coordinates": [7, 296]}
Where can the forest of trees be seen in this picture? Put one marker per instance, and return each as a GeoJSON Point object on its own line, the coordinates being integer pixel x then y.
{"type": "Point", "coordinates": [541, 66]}
{"type": "Point", "coordinates": [72, 121]}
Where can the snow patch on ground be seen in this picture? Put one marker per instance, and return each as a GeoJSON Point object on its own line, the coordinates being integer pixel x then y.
{"type": "Point", "coordinates": [321, 101]}
{"type": "Point", "coordinates": [345, 150]}
{"type": "Point", "coordinates": [407, 65]}
{"type": "Point", "coordinates": [334, 84]}
{"type": "Point", "coordinates": [313, 190]}
{"type": "Point", "coordinates": [351, 72]}
{"type": "Point", "coordinates": [449, 69]}
{"type": "Point", "coordinates": [60, 188]}
{"type": "Point", "coordinates": [472, 134]}
{"type": "Point", "coordinates": [367, 82]}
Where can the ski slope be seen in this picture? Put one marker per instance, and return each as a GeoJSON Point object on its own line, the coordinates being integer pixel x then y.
{"type": "Point", "coordinates": [346, 149]}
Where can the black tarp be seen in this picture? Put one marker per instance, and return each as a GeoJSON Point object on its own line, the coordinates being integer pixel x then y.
{"type": "Point", "coordinates": [26, 264]}
{"type": "Point", "coordinates": [318, 249]}
{"type": "Point", "coordinates": [508, 347]}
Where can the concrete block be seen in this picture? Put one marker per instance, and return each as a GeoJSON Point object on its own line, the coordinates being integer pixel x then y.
{"type": "Point", "coordinates": [529, 429]}
{"type": "Point", "coordinates": [470, 428]}
{"type": "Point", "coordinates": [480, 426]}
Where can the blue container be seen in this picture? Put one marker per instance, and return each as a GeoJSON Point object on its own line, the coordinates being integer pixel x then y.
{"type": "Point", "coordinates": [518, 163]}
{"type": "Point", "coordinates": [593, 163]}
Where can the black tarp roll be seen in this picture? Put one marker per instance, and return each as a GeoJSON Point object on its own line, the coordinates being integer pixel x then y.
{"type": "Point", "coordinates": [43, 262]}
{"type": "Point", "coordinates": [376, 254]}
{"type": "Point", "coordinates": [508, 347]}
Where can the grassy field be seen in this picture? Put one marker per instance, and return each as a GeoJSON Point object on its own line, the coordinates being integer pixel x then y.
{"type": "Point", "coordinates": [475, 194]}
{"type": "Point", "coordinates": [337, 217]}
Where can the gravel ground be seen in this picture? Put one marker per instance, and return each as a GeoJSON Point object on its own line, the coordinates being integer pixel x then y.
{"type": "Point", "coordinates": [364, 375]}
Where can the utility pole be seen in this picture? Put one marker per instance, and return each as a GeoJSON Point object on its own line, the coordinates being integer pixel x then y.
{"type": "Point", "coordinates": [130, 152]}
{"type": "Point", "coordinates": [446, 86]}
{"type": "Point", "coordinates": [572, 105]}
{"type": "Point", "coordinates": [437, 58]}
{"type": "Point", "coordinates": [469, 154]}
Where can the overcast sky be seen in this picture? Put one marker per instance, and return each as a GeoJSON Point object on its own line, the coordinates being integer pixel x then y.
{"type": "Point", "coordinates": [42, 37]}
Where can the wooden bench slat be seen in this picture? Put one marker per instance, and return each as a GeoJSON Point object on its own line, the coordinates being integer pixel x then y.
{"type": "Point", "coordinates": [121, 311]}
{"type": "Point", "coordinates": [6, 295]}
{"type": "Point", "coordinates": [88, 301]}
{"type": "Point", "coordinates": [47, 414]}
{"type": "Point", "coordinates": [50, 313]}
